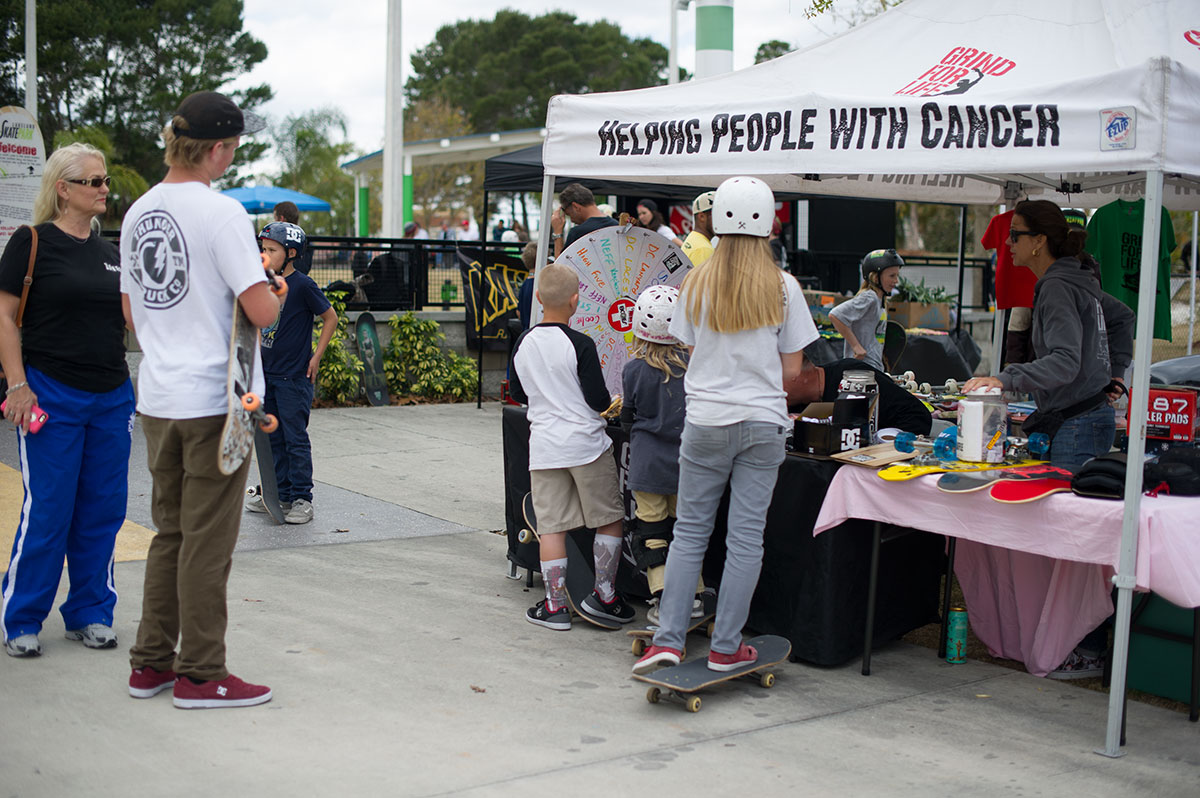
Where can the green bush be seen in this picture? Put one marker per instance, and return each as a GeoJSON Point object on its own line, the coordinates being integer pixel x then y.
{"type": "Point", "coordinates": [908, 291]}
{"type": "Point", "coordinates": [340, 377]}
{"type": "Point", "coordinates": [415, 362]}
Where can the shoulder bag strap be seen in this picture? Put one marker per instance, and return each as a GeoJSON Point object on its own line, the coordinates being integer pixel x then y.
{"type": "Point", "coordinates": [33, 246]}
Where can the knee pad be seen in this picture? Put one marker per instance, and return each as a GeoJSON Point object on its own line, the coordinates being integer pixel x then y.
{"type": "Point", "coordinates": [646, 531]}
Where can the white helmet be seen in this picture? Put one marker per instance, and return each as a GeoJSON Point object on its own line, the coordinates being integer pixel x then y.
{"type": "Point", "coordinates": [652, 314]}
{"type": "Point", "coordinates": [743, 206]}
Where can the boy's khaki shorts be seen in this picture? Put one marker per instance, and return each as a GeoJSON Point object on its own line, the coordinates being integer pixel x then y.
{"type": "Point", "coordinates": [569, 498]}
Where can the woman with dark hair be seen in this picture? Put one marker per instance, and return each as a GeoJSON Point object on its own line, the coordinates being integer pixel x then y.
{"type": "Point", "coordinates": [1082, 339]}
{"type": "Point", "coordinates": [651, 218]}
{"type": "Point", "coordinates": [1082, 344]}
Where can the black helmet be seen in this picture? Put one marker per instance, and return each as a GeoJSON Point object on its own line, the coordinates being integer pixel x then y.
{"type": "Point", "coordinates": [877, 260]}
{"type": "Point", "coordinates": [287, 235]}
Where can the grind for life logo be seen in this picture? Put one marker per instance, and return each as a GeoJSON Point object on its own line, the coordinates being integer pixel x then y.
{"type": "Point", "coordinates": [957, 72]}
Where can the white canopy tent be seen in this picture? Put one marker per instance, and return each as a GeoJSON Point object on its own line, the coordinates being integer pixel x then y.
{"type": "Point", "coordinates": [960, 101]}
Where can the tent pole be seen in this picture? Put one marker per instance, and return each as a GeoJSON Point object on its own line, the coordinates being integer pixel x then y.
{"type": "Point", "coordinates": [1125, 578]}
{"type": "Point", "coordinates": [998, 315]}
{"type": "Point", "coordinates": [1192, 311]}
{"type": "Point", "coordinates": [962, 251]}
{"type": "Point", "coordinates": [479, 311]}
{"type": "Point", "coordinates": [543, 249]}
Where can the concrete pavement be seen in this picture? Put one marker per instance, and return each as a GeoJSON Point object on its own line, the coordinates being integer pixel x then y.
{"type": "Point", "coordinates": [401, 665]}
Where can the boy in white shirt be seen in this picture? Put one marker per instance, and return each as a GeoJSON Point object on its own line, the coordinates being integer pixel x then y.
{"type": "Point", "coordinates": [572, 475]}
{"type": "Point", "coordinates": [187, 253]}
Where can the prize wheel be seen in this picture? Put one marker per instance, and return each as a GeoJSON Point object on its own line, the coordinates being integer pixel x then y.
{"type": "Point", "coordinates": [615, 264]}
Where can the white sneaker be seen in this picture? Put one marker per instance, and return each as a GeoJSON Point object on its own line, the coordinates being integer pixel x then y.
{"type": "Point", "coordinates": [94, 635]}
{"type": "Point", "coordinates": [301, 512]}
{"type": "Point", "coordinates": [256, 505]}
{"type": "Point", "coordinates": [652, 614]}
{"type": "Point", "coordinates": [23, 646]}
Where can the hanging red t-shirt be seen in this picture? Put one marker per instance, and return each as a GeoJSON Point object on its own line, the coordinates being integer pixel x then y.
{"type": "Point", "coordinates": [1014, 284]}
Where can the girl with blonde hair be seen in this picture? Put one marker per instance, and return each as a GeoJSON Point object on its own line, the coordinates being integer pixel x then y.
{"type": "Point", "coordinates": [745, 323]}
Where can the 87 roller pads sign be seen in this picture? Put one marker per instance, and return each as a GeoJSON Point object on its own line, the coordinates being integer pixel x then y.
{"type": "Point", "coordinates": [22, 161]}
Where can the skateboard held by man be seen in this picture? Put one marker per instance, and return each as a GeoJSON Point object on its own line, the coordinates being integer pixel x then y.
{"type": "Point", "coordinates": [244, 407]}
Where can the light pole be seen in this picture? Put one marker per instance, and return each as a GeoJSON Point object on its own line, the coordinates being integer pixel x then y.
{"type": "Point", "coordinates": [673, 52]}
{"type": "Point", "coordinates": [393, 128]}
{"type": "Point", "coordinates": [31, 57]}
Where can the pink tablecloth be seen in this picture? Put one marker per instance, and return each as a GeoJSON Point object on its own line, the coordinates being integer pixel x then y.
{"type": "Point", "coordinates": [1036, 575]}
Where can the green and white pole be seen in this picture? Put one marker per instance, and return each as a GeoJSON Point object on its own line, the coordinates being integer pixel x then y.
{"type": "Point", "coordinates": [362, 213]}
{"type": "Point", "coordinates": [714, 37]}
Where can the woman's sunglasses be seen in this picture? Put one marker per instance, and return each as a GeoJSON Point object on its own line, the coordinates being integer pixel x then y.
{"type": "Point", "coordinates": [1014, 235]}
{"type": "Point", "coordinates": [94, 182]}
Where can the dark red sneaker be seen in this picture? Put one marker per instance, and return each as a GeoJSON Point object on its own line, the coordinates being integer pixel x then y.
{"type": "Point", "coordinates": [657, 656]}
{"type": "Point", "coordinates": [229, 692]}
{"type": "Point", "coordinates": [745, 655]}
{"type": "Point", "coordinates": [147, 682]}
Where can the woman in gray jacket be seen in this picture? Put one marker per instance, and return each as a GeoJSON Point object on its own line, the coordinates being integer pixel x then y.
{"type": "Point", "coordinates": [1082, 339]}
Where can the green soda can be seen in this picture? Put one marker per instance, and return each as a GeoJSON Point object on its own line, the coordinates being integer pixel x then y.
{"type": "Point", "coordinates": [956, 636]}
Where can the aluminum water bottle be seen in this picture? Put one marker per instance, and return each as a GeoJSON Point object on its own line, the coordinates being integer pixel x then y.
{"type": "Point", "coordinates": [956, 636]}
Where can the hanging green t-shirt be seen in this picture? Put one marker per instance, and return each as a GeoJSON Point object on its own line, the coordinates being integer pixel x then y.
{"type": "Point", "coordinates": [1115, 239]}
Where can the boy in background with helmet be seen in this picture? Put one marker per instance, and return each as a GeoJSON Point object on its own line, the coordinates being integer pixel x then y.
{"type": "Point", "coordinates": [290, 366]}
{"type": "Point", "coordinates": [572, 475]}
{"type": "Point", "coordinates": [863, 320]}
{"type": "Point", "coordinates": [653, 410]}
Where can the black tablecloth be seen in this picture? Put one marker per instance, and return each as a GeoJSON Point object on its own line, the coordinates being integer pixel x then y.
{"type": "Point", "coordinates": [812, 591]}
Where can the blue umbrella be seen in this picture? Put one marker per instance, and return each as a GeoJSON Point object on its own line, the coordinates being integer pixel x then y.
{"type": "Point", "coordinates": [261, 199]}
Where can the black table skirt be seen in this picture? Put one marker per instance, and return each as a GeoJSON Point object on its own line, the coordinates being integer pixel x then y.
{"type": "Point", "coordinates": [812, 590]}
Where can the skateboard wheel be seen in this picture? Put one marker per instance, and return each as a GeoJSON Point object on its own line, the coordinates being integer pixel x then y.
{"type": "Point", "coordinates": [767, 680]}
{"type": "Point", "coordinates": [524, 536]}
{"type": "Point", "coordinates": [952, 386]}
{"type": "Point", "coordinates": [693, 704]}
{"type": "Point", "coordinates": [909, 376]}
{"type": "Point", "coordinates": [910, 386]}
{"type": "Point", "coordinates": [708, 630]}
{"type": "Point", "coordinates": [251, 402]}
{"type": "Point", "coordinates": [925, 388]}
{"type": "Point", "coordinates": [639, 646]}
{"type": "Point", "coordinates": [270, 424]}
{"type": "Point", "coordinates": [278, 287]}
{"type": "Point", "coordinates": [653, 694]}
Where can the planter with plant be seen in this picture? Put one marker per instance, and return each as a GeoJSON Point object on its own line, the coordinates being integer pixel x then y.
{"type": "Point", "coordinates": [416, 364]}
{"type": "Point", "coordinates": [919, 305]}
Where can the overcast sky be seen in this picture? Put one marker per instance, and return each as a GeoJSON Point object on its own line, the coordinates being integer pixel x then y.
{"type": "Point", "coordinates": [332, 54]}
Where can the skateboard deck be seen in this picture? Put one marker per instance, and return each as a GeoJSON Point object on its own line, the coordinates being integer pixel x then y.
{"type": "Point", "coordinates": [643, 635]}
{"type": "Point", "coordinates": [894, 341]}
{"type": "Point", "coordinates": [374, 381]}
{"type": "Point", "coordinates": [244, 407]}
{"type": "Point", "coordinates": [971, 481]}
{"type": "Point", "coordinates": [687, 678]}
{"type": "Point", "coordinates": [581, 578]}
{"type": "Point", "coordinates": [267, 488]}
{"type": "Point", "coordinates": [1022, 491]}
{"type": "Point", "coordinates": [903, 471]}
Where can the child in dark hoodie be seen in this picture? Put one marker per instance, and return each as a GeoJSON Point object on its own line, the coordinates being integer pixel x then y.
{"type": "Point", "coordinates": [1082, 339]}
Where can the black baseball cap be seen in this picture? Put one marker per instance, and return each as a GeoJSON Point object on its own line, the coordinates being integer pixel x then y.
{"type": "Point", "coordinates": [211, 115]}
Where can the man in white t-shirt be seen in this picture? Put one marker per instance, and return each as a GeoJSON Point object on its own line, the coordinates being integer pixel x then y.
{"type": "Point", "coordinates": [187, 253]}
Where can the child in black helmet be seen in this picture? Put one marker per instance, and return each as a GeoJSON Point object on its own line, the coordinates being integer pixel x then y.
{"type": "Point", "coordinates": [863, 320]}
{"type": "Point", "coordinates": [290, 367]}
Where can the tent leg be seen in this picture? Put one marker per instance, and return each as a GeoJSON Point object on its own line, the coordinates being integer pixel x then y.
{"type": "Point", "coordinates": [962, 253]}
{"type": "Point", "coordinates": [1125, 578]}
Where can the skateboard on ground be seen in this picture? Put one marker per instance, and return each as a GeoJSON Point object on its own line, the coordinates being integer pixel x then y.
{"type": "Point", "coordinates": [903, 471]}
{"type": "Point", "coordinates": [581, 578]}
{"type": "Point", "coordinates": [267, 488]}
{"type": "Point", "coordinates": [643, 636]}
{"type": "Point", "coordinates": [1028, 490]}
{"type": "Point", "coordinates": [374, 381]}
{"type": "Point", "coordinates": [971, 481]}
{"type": "Point", "coordinates": [244, 408]}
{"type": "Point", "coordinates": [684, 680]}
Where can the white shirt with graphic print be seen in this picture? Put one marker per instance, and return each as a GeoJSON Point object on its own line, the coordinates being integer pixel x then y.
{"type": "Point", "coordinates": [187, 252]}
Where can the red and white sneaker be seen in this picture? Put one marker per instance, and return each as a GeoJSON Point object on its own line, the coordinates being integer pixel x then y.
{"type": "Point", "coordinates": [655, 657]}
{"type": "Point", "coordinates": [147, 682]}
{"type": "Point", "coordinates": [229, 692]}
{"type": "Point", "coordinates": [745, 655]}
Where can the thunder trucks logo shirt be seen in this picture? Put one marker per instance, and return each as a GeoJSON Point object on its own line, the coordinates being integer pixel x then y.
{"type": "Point", "coordinates": [160, 262]}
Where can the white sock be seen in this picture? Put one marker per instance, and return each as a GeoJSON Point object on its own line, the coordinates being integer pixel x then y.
{"type": "Point", "coordinates": [606, 549]}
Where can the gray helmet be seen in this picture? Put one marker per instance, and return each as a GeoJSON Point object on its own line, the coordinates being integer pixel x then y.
{"type": "Point", "coordinates": [877, 260]}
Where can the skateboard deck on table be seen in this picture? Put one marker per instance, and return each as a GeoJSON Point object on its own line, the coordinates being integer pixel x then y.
{"type": "Point", "coordinates": [1021, 491]}
{"type": "Point", "coordinates": [687, 678]}
{"type": "Point", "coordinates": [904, 471]}
{"type": "Point", "coordinates": [971, 481]}
{"type": "Point", "coordinates": [244, 407]}
{"type": "Point", "coordinates": [642, 636]}
{"type": "Point", "coordinates": [581, 577]}
{"type": "Point", "coordinates": [374, 381]}
{"type": "Point", "coordinates": [267, 488]}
